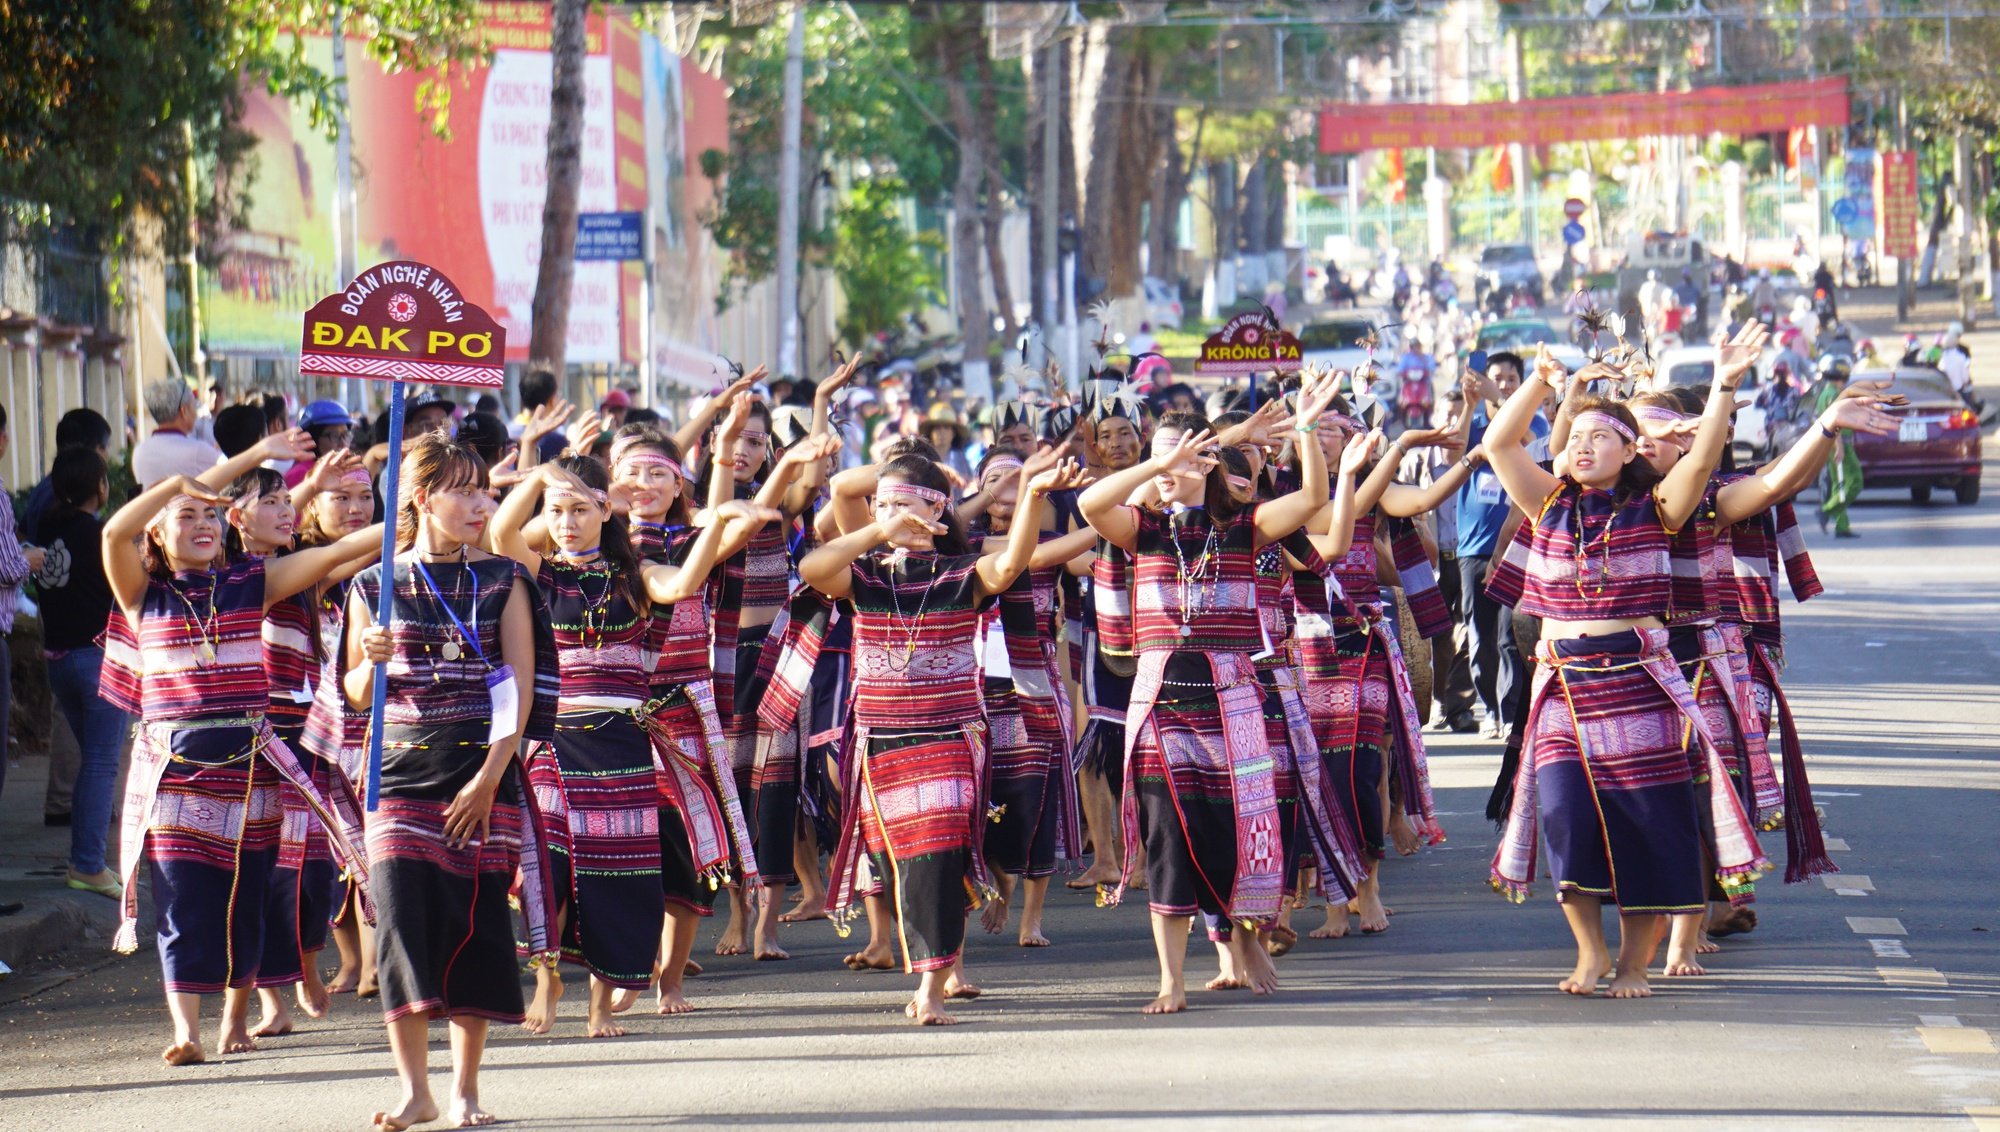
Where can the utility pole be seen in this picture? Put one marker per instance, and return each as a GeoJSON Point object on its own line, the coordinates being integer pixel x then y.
{"type": "Point", "coordinates": [1904, 298]}
{"type": "Point", "coordinates": [1051, 194]}
{"type": "Point", "coordinates": [346, 226]}
{"type": "Point", "coordinates": [788, 198]}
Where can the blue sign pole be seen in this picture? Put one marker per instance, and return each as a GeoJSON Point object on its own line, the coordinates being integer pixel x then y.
{"type": "Point", "coordinates": [385, 608]}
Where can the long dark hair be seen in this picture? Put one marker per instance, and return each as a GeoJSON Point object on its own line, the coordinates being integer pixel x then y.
{"type": "Point", "coordinates": [758, 411]}
{"type": "Point", "coordinates": [253, 484]}
{"type": "Point", "coordinates": [432, 463]}
{"type": "Point", "coordinates": [614, 539]}
{"type": "Point", "coordinates": [1221, 506]}
{"type": "Point", "coordinates": [923, 473]}
{"type": "Point", "coordinates": [651, 438]}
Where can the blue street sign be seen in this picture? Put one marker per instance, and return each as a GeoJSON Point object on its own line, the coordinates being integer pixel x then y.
{"type": "Point", "coordinates": [610, 235]}
{"type": "Point", "coordinates": [1572, 233]}
{"type": "Point", "coordinates": [1845, 211]}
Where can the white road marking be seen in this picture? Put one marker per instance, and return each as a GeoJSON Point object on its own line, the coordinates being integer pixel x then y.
{"type": "Point", "coordinates": [1911, 976]}
{"type": "Point", "coordinates": [1939, 1020]}
{"type": "Point", "coordinates": [1956, 1039]}
{"type": "Point", "coordinates": [1875, 925]}
{"type": "Point", "coordinates": [1848, 880]}
{"type": "Point", "coordinates": [1836, 845]}
{"type": "Point", "coordinates": [1850, 892]}
{"type": "Point", "coordinates": [1889, 949]}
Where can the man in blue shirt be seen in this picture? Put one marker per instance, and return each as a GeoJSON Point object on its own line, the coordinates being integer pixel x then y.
{"type": "Point", "coordinates": [1497, 668]}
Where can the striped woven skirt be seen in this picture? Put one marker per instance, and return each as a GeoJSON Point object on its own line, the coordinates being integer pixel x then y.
{"type": "Point", "coordinates": [1613, 787]}
{"type": "Point", "coordinates": [920, 826]}
{"type": "Point", "coordinates": [1348, 694]}
{"type": "Point", "coordinates": [1024, 789]}
{"type": "Point", "coordinates": [212, 845]}
{"type": "Point", "coordinates": [704, 836]}
{"type": "Point", "coordinates": [444, 934]}
{"type": "Point", "coordinates": [1187, 810]}
{"type": "Point", "coordinates": [304, 882]}
{"type": "Point", "coordinates": [739, 718]}
{"type": "Point", "coordinates": [606, 865]}
{"type": "Point", "coordinates": [1285, 776]}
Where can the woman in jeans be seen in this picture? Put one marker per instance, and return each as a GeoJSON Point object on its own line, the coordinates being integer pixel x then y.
{"type": "Point", "coordinates": [75, 601]}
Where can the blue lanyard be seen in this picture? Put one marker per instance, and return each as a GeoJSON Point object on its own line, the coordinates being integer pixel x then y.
{"type": "Point", "coordinates": [471, 635]}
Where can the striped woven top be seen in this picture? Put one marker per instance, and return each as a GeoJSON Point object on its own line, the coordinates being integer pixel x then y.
{"type": "Point", "coordinates": [1589, 555]}
{"type": "Point", "coordinates": [916, 661]}
{"type": "Point", "coordinates": [1215, 610]}
{"type": "Point", "coordinates": [1356, 569]}
{"type": "Point", "coordinates": [430, 692]}
{"type": "Point", "coordinates": [333, 730]}
{"type": "Point", "coordinates": [198, 651]}
{"type": "Point", "coordinates": [1759, 547]}
{"type": "Point", "coordinates": [291, 659]}
{"type": "Point", "coordinates": [600, 639]}
{"type": "Point", "coordinates": [679, 642]}
{"type": "Point", "coordinates": [760, 575]}
{"type": "Point", "coordinates": [1693, 552]}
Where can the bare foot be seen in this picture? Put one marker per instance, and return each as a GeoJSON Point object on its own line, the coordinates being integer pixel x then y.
{"type": "Point", "coordinates": [672, 1001]}
{"type": "Point", "coordinates": [807, 910]}
{"type": "Point", "coordinates": [1401, 835]}
{"type": "Point", "coordinates": [1368, 906]}
{"type": "Point", "coordinates": [1335, 926]}
{"type": "Point", "coordinates": [312, 994]}
{"type": "Point", "coordinates": [1680, 964]}
{"type": "Point", "coordinates": [771, 950]}
{"type": "Point", "coordinates": [184, 1053]}
{"type": "Point", "coordinates": [272, 1025]}
{"type": "Point", "coordinates": [871, 959]}
{"type": "Point", "coordinates": [1630, 984]}
{"type": "Point", "coordinates": [369, 988]}
{"type": "Point", "coordinates": [1231, 975]}
{"type": "Point", "coordinates": [1707, 946]}
{"type": "Point", "coordinates": [237, 1040]}
{"type": "Point", "coordinates": [692, 969]}
{"type": "Point", "coordinates": [1280, 940]}
{"type": "Point", "coordinates": [466, 1113]}
{"type": "Point", "coordinates": [1169, 1002]}
{"type": "Point", "coordinates": [1583, 981]}
{"type": "Point", "coordinates": [1737, 921]}
{"type": "Point", "coordinates": [541, 1015]}
{"type": "Point", "coordinates": [1257, 965]}
{"type": "Point", "coordinates": [342, 981]}
{"type": "Point", "coordinates": [601, 1026]}
{"type": "Point", "coordinates": [732, 941]}
{"type": "Point", "coordinates": [993, 917]}
{"type": "Point", "coordinates": [928, 1012]}
{"type": "Point", "coordinates": [622, 999]}
{"type": "Point", "coordinates": [1092, 877]}
{"type": "Point", "coordinates": [406, 1114]}
{"type": "Point", "coordinates": [957, 987]}
{"type": "Point", "coordinates": [1031, 935]}
{"type": "Point", "coordinates": [1225, 981]}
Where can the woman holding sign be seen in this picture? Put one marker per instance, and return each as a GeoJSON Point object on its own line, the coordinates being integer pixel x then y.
{"type": "Point", "coordinates": [471, 675]}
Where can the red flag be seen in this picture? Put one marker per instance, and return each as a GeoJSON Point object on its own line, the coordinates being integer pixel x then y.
{"type": "Point", "coordinates": [1503, 172]}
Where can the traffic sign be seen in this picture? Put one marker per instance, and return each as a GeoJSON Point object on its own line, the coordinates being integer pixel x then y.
{"type": "Point", "coordinates": [403, 321]}
{"type": "Point", "coordinates": [1573, 208]}
{"type": "Point", "coordinates": [610, 235]}
{"type": "Point", "coordinates": [1572, 233]}
{"type": "Point", "coordinates": [1845, 211]}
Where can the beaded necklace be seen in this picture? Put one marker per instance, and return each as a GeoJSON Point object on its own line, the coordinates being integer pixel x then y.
{"type": "Point", "coordinates": [911, 630]}
{"type": "Point", "coordinates": [590, 564]}
{"type": "Point", "coordinates": [1194, 597]}
{"type": "Point", "coordinates": [204, 654]}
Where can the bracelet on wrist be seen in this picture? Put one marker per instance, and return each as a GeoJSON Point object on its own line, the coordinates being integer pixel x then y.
{"type": "Point", "coordinates": [1829, 433]}
{"type": "Point", "coordinates": [1313, 427]}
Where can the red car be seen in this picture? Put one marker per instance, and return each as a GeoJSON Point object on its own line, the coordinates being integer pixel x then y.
{"type": "Point", "coordinates": [1936, 446]}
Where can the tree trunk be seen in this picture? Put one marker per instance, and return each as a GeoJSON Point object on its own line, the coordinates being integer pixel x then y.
{"type": "Point", "coordinates": [1102, 112]}
{"type": "Point", "coordinates": [1036, 69]}
{"type": "Point", "coordinates": [548, 339]}
{"type": "Point", "coordinates": [995, 212]}
{"type": "Point", "coordinates": [1163, 207]}
{"type": "Point", "coordinates": [956, 43]}
{"type": "Point", "coordinates": [1124, 226]}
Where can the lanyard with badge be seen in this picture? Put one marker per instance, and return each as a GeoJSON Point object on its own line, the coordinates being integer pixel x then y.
{"type": "Point", "coordinates": [501, 694]}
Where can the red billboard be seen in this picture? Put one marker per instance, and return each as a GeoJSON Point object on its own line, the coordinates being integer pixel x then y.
{"type": "Point", "coordinates": [1898, 208]}
{"type": "Point", "coordinates": [1764, 108]}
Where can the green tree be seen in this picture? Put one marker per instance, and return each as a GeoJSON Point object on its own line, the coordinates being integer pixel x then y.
{"type": "Point", "coordinates": [884, 270]}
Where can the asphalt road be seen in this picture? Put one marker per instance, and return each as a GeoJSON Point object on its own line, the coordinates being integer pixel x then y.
{"type": "Point", "coordinates": [1868, 1002]}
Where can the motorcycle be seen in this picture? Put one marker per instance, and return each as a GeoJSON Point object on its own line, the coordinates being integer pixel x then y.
{"type": "Point", "coordinates": [1413, 397]}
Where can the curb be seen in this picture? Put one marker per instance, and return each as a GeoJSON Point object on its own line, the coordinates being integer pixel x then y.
{"type": "Point", "coordinates": [54, 923]}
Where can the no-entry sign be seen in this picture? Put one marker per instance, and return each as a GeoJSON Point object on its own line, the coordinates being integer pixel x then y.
{"type": "Point", "coordinates": [403, 321]}
{"type": "Point", "coordinates": [1573, 208]}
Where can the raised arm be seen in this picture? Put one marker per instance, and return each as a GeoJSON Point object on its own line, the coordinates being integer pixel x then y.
{"type": "Point", "coordinates": [303, 569]}
{"type": "Point", "coordinates": [851, 490]}
{"type": "Point", "coordinates": [511, 519]}
{"type": "Point", "coordinates": [1287, 513]}
{"type": "Point", "coordinates": [1104, 503]}
{"type": "Point", "coordinates": [124, 565]}
{"type": "Point", "coordinates": [801, 494]}
{"type": "Point", "coordinates": [698, 422]}
{"type": "Point", "coordinates": [1785, 476]}
{"type": "Point", "coordinates": [1407, 501]}
{"type": "Point", "coordinates": [1332, 529]}
{"type": "Point", "coordinates": [1063, 548]}
{"type": "Point", "coordinates": [1524, 480]}
{"type": "Point", "coordinates": [326, 471]}
{"type": "Point", "coordinates": [1683, 488]}
{"type": "Point", "coordinates": [827, 568]}
{"type": "Point", "coordinates": [669, 584]}
{"type": "Point", "coordinates": [543, 419]}
{"type": "Point", "coordinates": [997, 571]}
{"type": "Point", "coordinates": [292, 444]}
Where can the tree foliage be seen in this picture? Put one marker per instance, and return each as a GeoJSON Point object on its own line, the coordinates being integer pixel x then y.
{"type": "Point", "coordinates": [885, 272]}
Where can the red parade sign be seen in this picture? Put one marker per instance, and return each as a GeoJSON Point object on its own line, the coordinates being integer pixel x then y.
{"type": "Point", "coordinates": [403, 321]}
{"type": "Point", "coordinates": [1248, 343]}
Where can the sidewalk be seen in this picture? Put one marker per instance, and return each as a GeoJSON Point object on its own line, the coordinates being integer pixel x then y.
{"type": "Point", "coordinates": [56, 921]}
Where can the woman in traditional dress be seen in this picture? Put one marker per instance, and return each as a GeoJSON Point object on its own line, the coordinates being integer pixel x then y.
{"type": "Point", "coordinates": [470, 666]}
{"type": "Point", "coordinates": [1603, 775]}
{"type": "Point", "coordinates": [336, 734]}
{"type": "Point", "coordinates": [1199, 789]}
{"type": "Point", "coordinates": [1027, 705]}
{"type": "Point", "coordinates": [1711, 650]}
{"type": "Point", "coordinates": [915, 780]}
{"type": "Point", "coordinates": [597, 784]}
{"type": "Point", "coordinates": [184, 652]}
